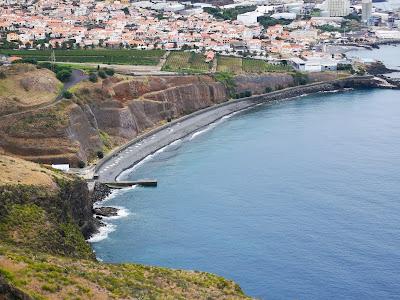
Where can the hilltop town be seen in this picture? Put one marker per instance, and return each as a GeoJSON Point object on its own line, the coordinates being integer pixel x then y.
{"type": "Point", "coordinates": [302, 32]}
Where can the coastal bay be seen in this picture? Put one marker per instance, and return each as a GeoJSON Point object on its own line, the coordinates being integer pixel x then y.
{"type": "Point", "coordinates": [287, 181]}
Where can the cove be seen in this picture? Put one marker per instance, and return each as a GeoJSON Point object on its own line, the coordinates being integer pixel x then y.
{"type": "Point", "coordinates": [296, 200]}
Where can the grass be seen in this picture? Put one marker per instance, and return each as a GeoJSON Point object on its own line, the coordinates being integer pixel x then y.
{"type": "Point", "coordinates": [44, 255]}
{"type": "Point", "coordinates": [47, 276]}
{"type": "Point", "coordinates": [24, 86]}
{"type": "Point", "coordinates": [261, 66]}
{"type": "Point", "coordinates": [105, 56]}
{"type": "Point", "coordinates": [185, 61]}
{"type": "Point", "coordinates": [45, 121]}
{"type": "Point", "coordinates": [229, 64]}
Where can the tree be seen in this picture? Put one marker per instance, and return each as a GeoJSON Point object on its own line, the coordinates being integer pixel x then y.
{"type": "Point", "coordinates": [81, 164]}
{"type": "Point", "coordinates": [93, 77]}
{"type": "Point", "coordinates": [109, 72]}
{"type": "Point", "coordinates": [64, 75]}
{"type": "Point", "coordinates": [102, 74]}
{"type": "Point", "coordinates": [67, 94]}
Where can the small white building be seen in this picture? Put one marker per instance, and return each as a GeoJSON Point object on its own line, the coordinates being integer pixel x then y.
{"type": "Point", "coordinates": [287, 16]}
{"type": "Point", "coordinates": [61, 167]}
{"type": "Point", "coordinates": [313, 64]}
{"type": "Point", "coordinates": [249, 18]}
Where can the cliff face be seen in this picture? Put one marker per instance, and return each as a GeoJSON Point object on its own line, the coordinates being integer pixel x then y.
{"type": "Point", "coordinates": [103, 115]}
{"type": "Point", "coordinates": [111, 112]}
{"type": "Point", "coordinates": [43, 253]}
{"type": "Point", "coordinates": [258, 84]}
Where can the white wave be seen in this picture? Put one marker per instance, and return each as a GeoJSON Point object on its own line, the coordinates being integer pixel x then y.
{"type": "Point", "coordinates": [197, 133]}
{"type": "Point", "coordinates": [121, 213]}
{"type": "Point", "coordinates": [112, 195]}
{"type": "Point", "coordinates": [177, 142]}
{"type": "Point", "coordinates": [217, 122]}
{"type": "Point", "coordinates": [147, 158]}
{"type": "Point", "coordinates": [103, 233]}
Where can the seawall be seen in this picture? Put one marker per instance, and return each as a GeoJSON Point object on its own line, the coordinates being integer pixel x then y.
{"type": "Point", "coordinates": [128, 155]}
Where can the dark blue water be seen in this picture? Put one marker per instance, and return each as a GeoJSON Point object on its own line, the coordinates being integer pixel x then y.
{"type": "Point", "coordinates": [299, 200]}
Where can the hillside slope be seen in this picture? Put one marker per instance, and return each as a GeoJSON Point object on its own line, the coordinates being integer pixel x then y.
{"type": "Point", "coordinates": [44, 216]}
{"type": "Point", "coordinates": [103, 115]}
{"type": "Point", "coordinates": [24, 86]}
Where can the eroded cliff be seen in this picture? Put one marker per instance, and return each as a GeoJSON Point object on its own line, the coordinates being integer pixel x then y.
{"type": "Point", "coordinates": [103, 115]}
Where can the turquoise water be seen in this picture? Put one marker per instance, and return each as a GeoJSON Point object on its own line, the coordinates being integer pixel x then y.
{"type": "Point", "coordinates": [298, 200]}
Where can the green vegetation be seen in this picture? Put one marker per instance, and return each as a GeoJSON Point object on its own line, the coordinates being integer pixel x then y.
{"type": "Point", "coordinates": [185, 61]}
{"type": "Point", "coordinates": [64, 75]}
{"type": "Point", "coordinates": [237, 65]}
{"type": "Point", "coordinates": [260, 66]}
{"type": "Point", "coordinates": [93, 77]}
{"type": "Point", "coordinates": [63, 72]}
{"type": "Point", "coordinates": [106, 140]}
{"type": "Point", "coordinates": [34, 219]}
{"type": "Point", "coordinates": [267, 21]}
{"type": "Point", "coordinates": [109, 72]}
{"type": "Point", "coordinates": [42, 122]}
{"type": "Point", "coordinates": [316, 12]}
{"type": "Point", "coordinates": [102, 74]}
{"type": "Point", "coordinates": [67, 94]}
{"type": "Point", "coordinates": [26, 60]}
{"type": "Point", "coordinates": [300, 78]}
{"type": "Point", "coordinates": [227, 80]}
{"type": "Point", "coordinates": [329, 28]}
{"type": "Point", "coordinates": [43, 253]}
{"type": "Point", "coordinates": [229, 64]}
{"type": "Point", "coordinates": [230, 13]}
{"type": "Point", "coordinates": [117, 56]}
{"type": "Point", "coordinates": [44, 276]}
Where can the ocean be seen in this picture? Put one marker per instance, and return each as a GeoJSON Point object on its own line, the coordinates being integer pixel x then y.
{"type": "Point", "coordinates": [295, 200]}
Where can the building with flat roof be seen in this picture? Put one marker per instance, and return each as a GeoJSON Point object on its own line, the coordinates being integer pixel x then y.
{"type": "Point", "coordinates": [338, 8]}
{"type": "Point", "coordinates": [366, 10]}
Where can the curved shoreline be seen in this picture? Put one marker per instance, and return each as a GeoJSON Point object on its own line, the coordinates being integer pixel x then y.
{"type": "Point", "coordinates": [130, 154]}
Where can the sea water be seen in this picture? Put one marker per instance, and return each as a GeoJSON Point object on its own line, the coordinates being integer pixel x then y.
{"type": "Point", "coordinates": [296, 200]}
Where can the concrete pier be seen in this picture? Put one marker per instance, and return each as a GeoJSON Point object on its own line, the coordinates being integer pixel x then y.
{"type": "Point", "coordinates": [123, 184]}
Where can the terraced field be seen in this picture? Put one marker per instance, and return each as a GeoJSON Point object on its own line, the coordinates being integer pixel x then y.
{"type": "Point", "coordinates": [237, 65]}
{"type": "Point", "coordinates": [186, 61]}
{"type": "Point", "coordinates": [229, 64]}
{"type": "Point", "coordinates": [259, 66]}
{"type": "Point", "coordinates": [105, 56]}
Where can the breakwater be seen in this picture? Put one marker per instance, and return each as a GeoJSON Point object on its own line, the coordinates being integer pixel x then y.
{"type": "Point", "coordinates": [128, 155]}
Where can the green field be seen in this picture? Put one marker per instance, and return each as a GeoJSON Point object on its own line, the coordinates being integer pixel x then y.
{"type": "Point", "coordinates": [259, 66]}
{"type": "Point", "coordinates": [229, 64]}
{"type": "Point", "coordinates": [186, 61]}
{"type": "Point", "coordinates": [237, 65]}
{"type": "Point", "coordinates": [105, 56]}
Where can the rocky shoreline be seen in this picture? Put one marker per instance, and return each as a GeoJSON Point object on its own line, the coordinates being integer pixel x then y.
{"type": "Point", "coordinates": [123, 158]}
{"type": "Point", "coordinates": [138, 149]}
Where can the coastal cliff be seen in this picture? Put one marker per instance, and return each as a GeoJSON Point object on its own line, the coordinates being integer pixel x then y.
{"type": "Point", "coordinates": [44, 217]}
{"type": "Point", "coordinates": [103, 115]}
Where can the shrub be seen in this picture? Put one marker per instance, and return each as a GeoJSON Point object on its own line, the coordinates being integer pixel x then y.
{"type": "Point", "coordinates": [247, 93]}
{"type": "Point", "coordinates": [109, 72]}
{"type": "Point", "coordinates": [26, 61]}
{"type": "Point", "coordinates": [81, 164]}
{"type": "Point", "coordinates": [102, 74]}
{"type": "Point", "coordinates": [64, 75]}
{"type": "Point", "coordinates": [93, 77]}
{"type": "Point", "coordinates": [100, 154]}
{"type": "Point", "coordinates": [300, 78]}
{"type": "Point", "coordinates": [45, 65]}
{"type": "Point", "coordinates": [268, 89]}
{"type": "Point", "coordinates": [67, 95]}
{"type": "Point", "coordinates": [3, 75]}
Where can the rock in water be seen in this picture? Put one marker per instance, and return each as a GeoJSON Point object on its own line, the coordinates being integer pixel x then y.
{"type": "Point", "coordinates": [106, 211]}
